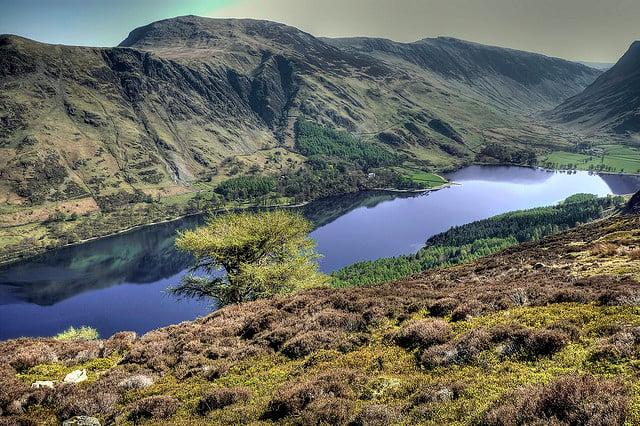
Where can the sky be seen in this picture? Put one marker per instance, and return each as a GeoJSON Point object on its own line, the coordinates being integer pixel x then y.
{"type": "Point", "coordinates": [580, 30]}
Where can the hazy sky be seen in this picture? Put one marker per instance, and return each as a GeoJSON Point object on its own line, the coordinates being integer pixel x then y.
{"type": "Point", "coordinates": [587, 30]}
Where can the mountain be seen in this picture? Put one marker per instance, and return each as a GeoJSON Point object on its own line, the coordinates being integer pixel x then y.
{"type": "Point", "coordinates": [186, 103]}
{"type": "Point", "coordinates": [497, 76]}
{"type": "Point", "coordinates": [541, 333]}
{"type": "Point", "coordinates": [611, 103]}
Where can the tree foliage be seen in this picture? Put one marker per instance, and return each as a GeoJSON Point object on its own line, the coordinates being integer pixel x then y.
{"type": "Point", "coordinates": [262, 254]}
{"type": "Point", "coordinates": [314, 140]}
{"type": "Point", "coordinates": [477, 239]}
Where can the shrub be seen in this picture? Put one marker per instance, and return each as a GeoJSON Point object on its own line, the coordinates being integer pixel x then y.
{"type": "Point", "coordinates": [82, 333]}
{"type": "Point", "coordinates": [423, 333]}
{"type": "Point", "coordinates": [221, 397]}
{"type": "Point", "coordinates": [569, 295]}
{"type": "Point", "coordinates": [10, 386]}
{"type": "Point", "coordinates": [528, 343]}
{"type": "Point", "coordinates": [545, 342]}
{"type": "Point", "coordinates": [377, 415]}
{"type": "Point", "coordinates": [293, 397]}
{"type": "Point", "coordinates": [139, 381]}
{"type": "Point", "coordinates": [443, 307]}
{"type": "Point", "coordinates": [326, 411]}
{"type": "Point", "coordinates": [30, 354]}
{"type": "Point", "coordinates": [466, 311]}
{"type": "Point", "coordinates": [305, 343]}
{"type": "Point", "coordinates": [156, 407]}
{"type": "Point", "coordinates": [634, 254]}
{"type": "Point", "coordinates": [567, 400]}
{"type": "Point", "coordinates": [465, 350]}
{"type": "Point", "coordinates": [604, 249]}
{"type": "Point", "coordinates": [119, 342]}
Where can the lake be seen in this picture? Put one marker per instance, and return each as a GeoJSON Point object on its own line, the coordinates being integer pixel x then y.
{"type": "Point", "coordinates": [117, 283]}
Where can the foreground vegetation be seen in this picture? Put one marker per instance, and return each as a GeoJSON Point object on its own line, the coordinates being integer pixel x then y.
{"type": "Point", "coordinates": [546, 332]}
{"type": "Point", "coordinates": [477, 239]}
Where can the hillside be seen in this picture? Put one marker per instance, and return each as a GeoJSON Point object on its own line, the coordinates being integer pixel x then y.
{"type": "Point", "coordinates": [187, 103]}
{"type": "Point", "coordinates": [545, 332]}
{"type": "Point", "coordinates": [505, 78]}
{"type": "Point", "coordinates": [609, 104]}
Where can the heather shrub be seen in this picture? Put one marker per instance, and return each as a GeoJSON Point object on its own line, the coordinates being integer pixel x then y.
{"type": "Point", "coordinates": [619, 297]}
{"type": "Point", "coordinates": [10, 386]}
{"type": "Point", "coordinates": [545, 342]}
{"type": "Point", "coordinates": [293, 397]}
{"type": "Point", "coordinates": [443, 307]}
{"type": "Point", "coordinates": [154, 407]}
{"type": "Point", "coordinates": [438, 394]}
{"type": "Point", "coordinates": [353, 342]}
{"type": "Point", "coordinates": [423, 333]}
{"type": "Point", "coordinates": [464, 350]}
{"type": "Point", "coordinates": [634, 254]}
{"type": "Point", "coordinates": [326, 411]}
{"type": "Point", "coordinates": [571, 400]}
{"type": "Point", "coordinates": [569, 295]}
{"type": "Point", "coordinates": [71, 401]}
{"type": "Point", "coordinates": [119, 342]}
{"type": "Point", "coordinates": [262, 320]}
{"type": "Point", "coordinates": [466, 311]}
{"type": "Point", "coordinates": [305, 343]}
{"type": "Point", "coordinates": [604, 249]}
{"type": "Point", "coordinates": [23, 354]}
{"type": "Point", "coordinates": [221, 397]}
{"type": "Point", "coordinates": [377, 415]}
{"type": "Point", "coordinates": [138, 381]}
{"type": "Point", "coordinates": [217, 369]}
{"type": "Point", "coordinates": [18, 421]}
{"type": "Point", "coordinates": [348, 321]}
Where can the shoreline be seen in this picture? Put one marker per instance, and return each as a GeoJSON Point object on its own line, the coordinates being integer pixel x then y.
{"type": "Point", "coordinates": [19, 258]}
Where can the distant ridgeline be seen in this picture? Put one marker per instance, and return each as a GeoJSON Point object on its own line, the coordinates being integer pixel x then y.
{"type": "Point", "coordinates": [477, 239]}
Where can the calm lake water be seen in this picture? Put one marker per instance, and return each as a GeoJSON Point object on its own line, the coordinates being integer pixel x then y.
{"type": "Point", "coordinates": [117, 283]}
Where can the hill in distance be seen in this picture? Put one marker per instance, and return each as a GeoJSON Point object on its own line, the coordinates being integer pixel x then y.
{"type": "Point", "coordinates": [611, 103]}
{"type": "Point", "coordinates": [545, 332]}
{"type": "Point", "coordinates": [181, 97]}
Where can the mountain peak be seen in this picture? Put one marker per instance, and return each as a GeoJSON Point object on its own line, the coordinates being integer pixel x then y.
{"type": "Point", "coordinates": [199, 32]}
{"type": "Point", "coordinates": [611, 103]}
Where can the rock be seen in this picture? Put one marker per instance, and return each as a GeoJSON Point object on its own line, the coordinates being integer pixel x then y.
{"type": "Point", "coordinates": [76, 376]}
{"type": "Point", "coordinates": [82, 421]}
{"type": "Point", "coordinates": [42, 384]}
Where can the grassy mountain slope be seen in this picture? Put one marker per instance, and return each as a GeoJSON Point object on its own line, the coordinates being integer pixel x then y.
{"type": "Point", "coordinates": [609, 104]}
{"type": "Point", "coordinates": [543, 332]}
{"type": "Point", "coordinates": [191, 99]}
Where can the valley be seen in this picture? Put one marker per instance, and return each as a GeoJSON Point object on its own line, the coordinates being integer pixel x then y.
{"type": "Point", "coordinates": [97, 140]}
{"type": "Point", "coordinates": [471, 205]}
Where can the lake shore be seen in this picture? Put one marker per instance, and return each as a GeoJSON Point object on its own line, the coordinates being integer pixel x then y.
{"type": "Point", "coordinates": [25, 255]}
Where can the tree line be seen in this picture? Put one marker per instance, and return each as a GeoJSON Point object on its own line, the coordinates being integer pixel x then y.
{"type": "Point", "coordinates": [477, 239]}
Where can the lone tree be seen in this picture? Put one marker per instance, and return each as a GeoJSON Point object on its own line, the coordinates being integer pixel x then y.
{"type": "Point", "coordinates": [263, 255]}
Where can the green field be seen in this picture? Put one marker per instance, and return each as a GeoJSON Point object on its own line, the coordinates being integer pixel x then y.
{"type": "Point", "coordinates": [605, 158]}
{"type": "Point", "coordinates": [427, 179]}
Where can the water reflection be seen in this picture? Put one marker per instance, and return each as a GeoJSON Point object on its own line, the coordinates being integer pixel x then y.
{"type": "Point", "coordinates": [142, 256]}
{"type": "Point", "coordinates": [99, 283]}
{"type": "Point", "coordinates": [145, 255]}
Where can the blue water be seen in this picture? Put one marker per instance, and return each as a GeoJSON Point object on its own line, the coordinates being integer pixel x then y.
{"type": "Point", "coordinates": [117, 283]}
